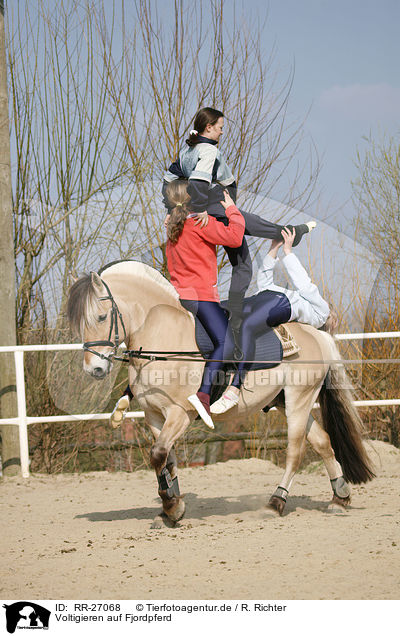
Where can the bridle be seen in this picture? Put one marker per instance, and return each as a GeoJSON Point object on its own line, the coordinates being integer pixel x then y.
{"type": "Point", "coordinates": [115, 314]}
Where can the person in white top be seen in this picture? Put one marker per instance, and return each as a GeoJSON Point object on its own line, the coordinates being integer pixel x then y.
{"type": "Point", "coordinates": [306, 303]}
{"type": "Point", "coordinates": [303, 304]}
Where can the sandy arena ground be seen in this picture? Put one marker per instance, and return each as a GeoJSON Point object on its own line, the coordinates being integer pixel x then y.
{"type": "Point", "coordinates": [88, 536]}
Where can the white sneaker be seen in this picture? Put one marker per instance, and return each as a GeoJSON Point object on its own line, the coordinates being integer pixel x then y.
{"type": "Point", "coordinates": [118, 414]}
{"type": "Point", "coordinates": [311, 225]}
{"type": "Point", "coordinates": [226, 402]}
{"type": "Point", "coordinates": [194, 401]}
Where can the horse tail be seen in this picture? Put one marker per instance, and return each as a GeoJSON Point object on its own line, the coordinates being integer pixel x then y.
{"type": "Point", "coordinates": [343, 424]}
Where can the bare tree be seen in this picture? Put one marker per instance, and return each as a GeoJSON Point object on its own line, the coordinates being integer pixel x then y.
{"type": "Point", "coordinates": [377, 197]}
{"type": "Point", "coordinates": [69, 196]}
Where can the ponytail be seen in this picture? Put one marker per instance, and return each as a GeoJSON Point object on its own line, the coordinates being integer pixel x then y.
{"type": "Point", "coordinates": [179, 200]}
{"type": "Point", "coordinates": [176, 222]}
{"type": "Point", "coordinates": [193, 138]}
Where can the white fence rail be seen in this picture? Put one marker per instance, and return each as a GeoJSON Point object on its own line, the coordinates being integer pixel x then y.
{"type": "Point", "coordinates": [22, 420]}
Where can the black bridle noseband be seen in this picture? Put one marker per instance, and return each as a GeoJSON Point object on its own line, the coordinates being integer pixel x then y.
{"type": "Point", "coordinates": [115, 314]}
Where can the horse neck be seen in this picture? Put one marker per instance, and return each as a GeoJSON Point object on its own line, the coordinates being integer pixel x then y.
{"type": "Point", "coordinates": [148, 311]}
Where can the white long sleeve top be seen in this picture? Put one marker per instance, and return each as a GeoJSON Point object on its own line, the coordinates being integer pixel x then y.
{"type": "Point", "coordinates": [307, 305]}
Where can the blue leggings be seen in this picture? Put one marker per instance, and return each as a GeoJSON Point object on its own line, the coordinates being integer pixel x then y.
{"type": "Point", "coordinates": [269, 308]}
{"type": "Point", "coordinates": [215, 322]}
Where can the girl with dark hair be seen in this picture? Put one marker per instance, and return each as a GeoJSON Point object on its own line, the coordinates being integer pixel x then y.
{"type": "Point", "coordinates": [192, 264]}
{"type": "Point", "coordinates": [205, 117]}
{"type": "Point", "coordinates": [208, 174]}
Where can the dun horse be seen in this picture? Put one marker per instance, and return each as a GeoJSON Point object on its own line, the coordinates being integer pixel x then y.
{"type": "Point", "coordinates": [134, 303]}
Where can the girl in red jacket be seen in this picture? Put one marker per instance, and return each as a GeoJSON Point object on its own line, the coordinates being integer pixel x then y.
{"type": "Point", "coordinates": [192, 264]}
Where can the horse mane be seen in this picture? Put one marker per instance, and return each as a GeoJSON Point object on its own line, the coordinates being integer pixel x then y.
{"type": "Point", "coordinates": [83, 307]}
{"type": "Point", "coordinates": [139, 270]}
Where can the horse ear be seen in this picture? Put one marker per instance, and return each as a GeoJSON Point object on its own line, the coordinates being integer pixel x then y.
{"type": "Point", "coordinates": [96, 282]}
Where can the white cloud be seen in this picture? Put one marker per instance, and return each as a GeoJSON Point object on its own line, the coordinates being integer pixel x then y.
{"type": "Point", "coordinates": [374, 103]}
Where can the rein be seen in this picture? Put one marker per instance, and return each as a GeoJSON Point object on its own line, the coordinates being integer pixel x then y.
{"type": "Point", "coordinates": [196, 356]}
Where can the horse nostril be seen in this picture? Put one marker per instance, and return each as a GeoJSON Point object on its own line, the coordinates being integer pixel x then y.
{"type": "Point", "coordinates": [98, 372]}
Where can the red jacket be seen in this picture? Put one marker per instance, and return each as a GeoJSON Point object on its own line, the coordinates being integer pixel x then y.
{"type": "Point", "coordinates": [192, 260]}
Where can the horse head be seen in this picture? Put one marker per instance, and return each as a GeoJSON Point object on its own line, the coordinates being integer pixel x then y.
{"type": "Point", "coordinates": [94, 315]}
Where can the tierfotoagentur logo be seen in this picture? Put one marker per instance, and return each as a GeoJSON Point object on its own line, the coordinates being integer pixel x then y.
{"type": "Point", "coordinates": [26, 615]}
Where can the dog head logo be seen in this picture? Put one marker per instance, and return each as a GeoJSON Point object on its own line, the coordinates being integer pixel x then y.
{"type": "Point", "coordinates": [26, 615]}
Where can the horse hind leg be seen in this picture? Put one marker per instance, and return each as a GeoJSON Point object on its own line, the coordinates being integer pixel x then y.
{"type": "Point", "coordinates": [320, 441]}
{"type": "Point", "coordinates": [294, 454]}
{"type": "Point", "coordinates": [298, 404]}
{"type": "Point", "coordinates": [277, 501]}
{"type": "Point", "coordinates": [341, 493]}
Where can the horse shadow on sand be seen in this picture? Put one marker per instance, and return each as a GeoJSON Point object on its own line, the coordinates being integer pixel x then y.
{"type": "Point", "coordinates": [201, 508]}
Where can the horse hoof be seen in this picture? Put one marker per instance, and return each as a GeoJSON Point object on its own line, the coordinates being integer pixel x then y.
{"type": "Point", "coordinates": [278, 504]}
{"type": "Point", "coordinates": [176, 513]}
{"type": "Point", "coordinates": [340, 503]}
{"type": "Point", "coordinates": [118, 414]}
{"type": "Point", "coordinates": [159, 522]}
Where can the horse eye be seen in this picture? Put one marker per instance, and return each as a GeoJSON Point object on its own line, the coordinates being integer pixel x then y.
{"type": "Point", "coordinates": [102, 317]}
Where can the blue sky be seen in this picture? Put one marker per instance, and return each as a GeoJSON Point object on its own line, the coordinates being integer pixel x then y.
{"type": "Point", "coordinates": [346, 55]}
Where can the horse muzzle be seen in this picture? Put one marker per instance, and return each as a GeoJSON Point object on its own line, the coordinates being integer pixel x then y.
{"type": "Point", "coordinates": [97, 368]}
{"type": "Point", "coordinates": [99, 374]}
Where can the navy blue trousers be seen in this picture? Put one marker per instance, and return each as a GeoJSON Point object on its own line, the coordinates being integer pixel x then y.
{"type": "Point", "coordinates": [215, 321]}
{"type": "Point", "coordinates": [269, 309]}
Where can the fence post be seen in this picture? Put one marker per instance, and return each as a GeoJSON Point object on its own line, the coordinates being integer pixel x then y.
{"type": "Point", "coordinates": [22, 419]}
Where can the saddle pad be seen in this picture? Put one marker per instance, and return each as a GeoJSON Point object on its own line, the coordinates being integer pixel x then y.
{"type": "Point", "coordinates": [268, 345]}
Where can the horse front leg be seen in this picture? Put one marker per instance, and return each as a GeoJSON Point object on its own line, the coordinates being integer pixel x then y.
{"type": "Point", "coordinates": [155, 422]}
{"type": "Point", "coordinates": [163, 460]}
{"type": "Point", "coordinates": [320, 441]}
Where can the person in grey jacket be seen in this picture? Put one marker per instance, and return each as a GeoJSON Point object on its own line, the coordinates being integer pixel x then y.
{"type": "Point", "coordinates": [275, 305]}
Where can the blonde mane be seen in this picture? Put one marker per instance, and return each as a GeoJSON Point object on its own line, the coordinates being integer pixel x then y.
{"type": "Point", "coordinates": [138, 269]}
{"type": "Point", "coordinates": [84, 306]}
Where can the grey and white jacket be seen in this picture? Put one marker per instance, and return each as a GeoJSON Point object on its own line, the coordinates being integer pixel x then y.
{"type": "Point", "coordinates": [207, 172]}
